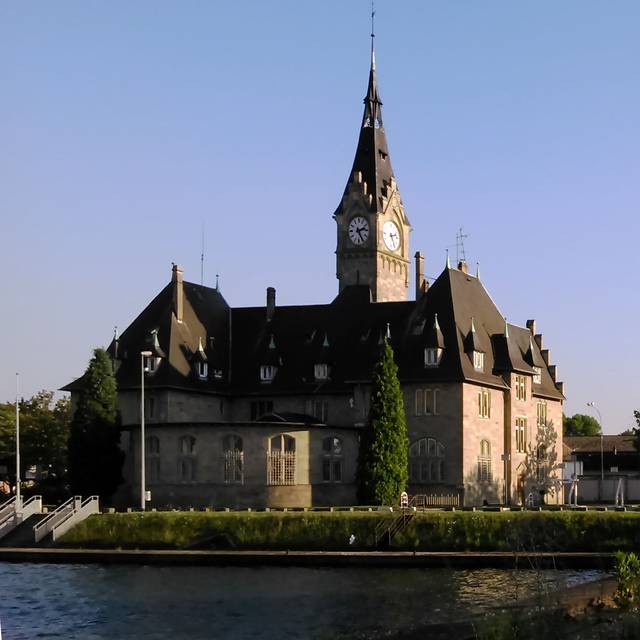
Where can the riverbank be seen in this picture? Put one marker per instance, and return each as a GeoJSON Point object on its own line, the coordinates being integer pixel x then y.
{"type": "Point", "coordinates": [379, 559]}
{"type": "Point", "coordinates": [452, 532]}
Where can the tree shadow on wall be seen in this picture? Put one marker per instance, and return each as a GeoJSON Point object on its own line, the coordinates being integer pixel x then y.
{"type": "Point", "coordinates": [481, 492]}
{"type": "Point", "coordinates": [541, 470]}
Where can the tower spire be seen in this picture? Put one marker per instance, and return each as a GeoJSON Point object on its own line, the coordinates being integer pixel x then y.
{"type": "Point", "coordinates": [373, 35]}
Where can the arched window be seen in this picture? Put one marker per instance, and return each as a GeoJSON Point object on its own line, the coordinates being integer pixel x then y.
{"type": "Point", "coordinates": [152, 462]}
{"type": "Point", "coordinates": [233, 459]}
{"type": "Point", "coordinates": [484, 462]}
{"type": "Point", "coordinates": [281, 460]}
{"type": "Point", "coordinates": [187, 458]}
{"type": "Point", "coordinates": [332, 459]}
{"type": "Point", "coordinates": [426, 461]}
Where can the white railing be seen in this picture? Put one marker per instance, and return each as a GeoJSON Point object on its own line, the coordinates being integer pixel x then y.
{"type": "Point", "coordinates": [44, 527]}
{"type": "Point", "coordinates": [424, 501]}
{"type": "Point", "coordinates": [13, 518]}
{"type": "Point", "coordinates": [87, 508]}
{"type": "Point", "coordinates": [7, 508]}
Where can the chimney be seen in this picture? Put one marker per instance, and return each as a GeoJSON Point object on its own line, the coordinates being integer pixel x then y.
{"type": "Point", "coordinates": [546, 356]}
{"type": "Point", "coordinates": [553, 370]}
{"type": "Point", "coordinates": [271, 303]}
{"type": "Point", "coordinates": [560, 387]}
{"type": "Point", "coordinates": [178, 293]}
{"type": "Point", "coordinates": [421, 284]}
{"type": "Point", "coordinates": [462, 266]}
{"type": "Point", "coordinates": [531, 325]}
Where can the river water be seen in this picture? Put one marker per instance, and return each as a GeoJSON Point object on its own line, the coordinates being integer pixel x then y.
{"type": "Point", "coordinates": [91, 602]}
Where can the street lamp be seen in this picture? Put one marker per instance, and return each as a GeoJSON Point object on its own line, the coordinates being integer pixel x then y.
{"type": "Point", "coordinates": [592, 404]}
{"type": "Point", "coordinates": [18, 494]}
{"type": "Point", "coordinates": [143, 355]}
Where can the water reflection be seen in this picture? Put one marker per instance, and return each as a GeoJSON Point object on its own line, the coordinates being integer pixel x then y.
{"type": "Point", "coordinates": [95, 603]}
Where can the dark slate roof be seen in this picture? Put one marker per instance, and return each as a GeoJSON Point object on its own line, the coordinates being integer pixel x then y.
{"type": "Point", "coordinates": [348, 334]}
{"type": "Point", "coordinates": [591, 444]}
{"type": "Point", "coordinates": [372, 158]}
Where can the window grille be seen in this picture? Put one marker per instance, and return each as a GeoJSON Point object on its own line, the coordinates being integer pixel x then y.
{"type": "Point", "coordinates": [478, 360]}
{"type": "Point", "coordinates": [203, 370]}
{"type": "Point", "coordinates": [484, 462]}
{"type": "Point", "coordinates": [541, 414]}
{"type": "Point", "coordinates": [268, 372]}
{"type": "Point", "coordinates": [281, 461]}
{"type": "Point", "coordinates": [537, 375]}
{"type": "Point", "coordinates": [521, 388]}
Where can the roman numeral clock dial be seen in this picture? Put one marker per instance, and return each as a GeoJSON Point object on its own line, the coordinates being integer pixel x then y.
{"type": "Point", "coordinates": [358, 230]}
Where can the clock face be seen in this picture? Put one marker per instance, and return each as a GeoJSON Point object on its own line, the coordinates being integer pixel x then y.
{"type": "Point", "coordinates": [358, 230]}
{"type": "Point", "coordinates": [391, 235]}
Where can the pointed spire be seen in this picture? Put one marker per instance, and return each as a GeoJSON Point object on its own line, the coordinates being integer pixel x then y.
{"type": "Point", "coordinates": [478, 270]}
{"type": "Point", "coordinates": [372, 164]}
{"type": "Point", "coordinates": [272, 342]}
{"type": "Point", "coordinates": [473, 325]}
{"type": "Point", "coordinates": [506, 328]}
{"type": "Point", "coordinates": [436, 325]}
{"type": "Point", "coordinates": [448, 260]}
{"type": "Point", "coordinates": [388, 331]}
{"type": "Point", "coordinates": [217, 282]}
{"type": "Point", "coordinates": [325, 342]}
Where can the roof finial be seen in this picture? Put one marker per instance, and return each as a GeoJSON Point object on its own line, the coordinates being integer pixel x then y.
{"type": "Point", "coordinates": [115, 332]}
{"type": "Point", "coordinates": [373, 35]}
{"type": "Point", "coordinates": [217, 282]}
{"type": "Point", "coordinates": [388, 331]}
{"type": "Point", "coordinates": [478, 270]}
{"type": "Point", "coordinates": [506, 328]}
{"type": "Point", "coordinates": [436, 324]}
{"type": "Point", "coordinates": [473, 325]}
{"type": "Point", "coordinates": [448, 261]}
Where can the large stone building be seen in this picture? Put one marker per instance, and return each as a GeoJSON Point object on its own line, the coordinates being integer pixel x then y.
{"type": "Point", "coordinates": [263, 406]}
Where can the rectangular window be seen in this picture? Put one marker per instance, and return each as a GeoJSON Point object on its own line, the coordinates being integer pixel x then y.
{"type": "Point", "coordinates": [321, 371]}
{"type": "Point", "coordinates": [152, 406]}
{"type": "Point", "coordinates": [319, 409]}
{"type": "Point", "coordinates": [233, 466]}
{"type": "Point", "coordinates": [427, 402]}
{"type": "Point", "coordinates": [541, 414]}
{"type": "Point", "coordinates": [260, 408]}
{"type": "Point", "coordinates": [521, 435]}
{"type": "Point", "coordinates": [432, 357]}
{"type": "Point", "coordinates": [267, 372]}
{"type": "Point", "coordinates": [537, 375]}
{"type": "Point", "coordinates": [484, 470]}
{"type": "Point", "coordinates": [484, 403]}
{"type": "Point", "coordinates": [521, 388]}
{"type": "Point", "coordinates": [478, 360]}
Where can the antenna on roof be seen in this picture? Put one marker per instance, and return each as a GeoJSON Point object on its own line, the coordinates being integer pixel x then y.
{"type": "Point", "coordinates": [460, 254]}
{"type": "Point", "coordinates": [373, 32]}
{"type": "Point", "coordinates": [202, 258]}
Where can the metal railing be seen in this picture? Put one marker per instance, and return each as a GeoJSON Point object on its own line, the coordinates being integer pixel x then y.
{"type": "Point", "coordinates": [15, 517]}
{"type": "Point", "coordinates": [425, 501]}
{"type": "Point", "coordinates": [44, 527]}
{"type": "Point", "coordinates": [87, 508]}
{"type": "Point", "coordinates": [7, 508]}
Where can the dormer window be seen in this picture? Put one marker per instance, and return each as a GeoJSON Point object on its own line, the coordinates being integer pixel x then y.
{"type": "Point", "coordinates": [151, 364]}
{"type": "Point", "coordinates": [478, 360]}
{"type": "Point", "coordinates": [432, 356]}
{"type": "Point", "coordinates": [202, 369]}
{"type": "Point", "coordinates": [268, 372]}
{"type": "Point", "coordinates": [321, 371]}
{"type": "Point", "coordinates": [537, 375]}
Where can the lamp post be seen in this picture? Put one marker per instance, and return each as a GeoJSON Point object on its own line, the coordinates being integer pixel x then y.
{"type": "Point", "coordinates": [592, 404]}
{"type": "Point", "coordinates": [18, 494]}
{"type": "Point", "coordinates": [143, 355]}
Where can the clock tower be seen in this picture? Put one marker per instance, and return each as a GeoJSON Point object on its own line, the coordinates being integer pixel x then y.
{"type": "Point", "coordinates": [373, 229]}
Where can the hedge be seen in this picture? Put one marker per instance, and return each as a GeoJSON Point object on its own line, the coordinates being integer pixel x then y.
{"type": "Point", "coordinates": [432, 531]}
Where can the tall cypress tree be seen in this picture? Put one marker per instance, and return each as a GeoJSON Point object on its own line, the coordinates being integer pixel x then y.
{"type": "Point", "coordinates": [384, 446]}
{"type": "Point", "coordinates": [95, 457]}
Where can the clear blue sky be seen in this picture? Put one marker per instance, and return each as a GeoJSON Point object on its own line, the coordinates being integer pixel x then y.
{"type": "Point", "coordinates": [124, 126]}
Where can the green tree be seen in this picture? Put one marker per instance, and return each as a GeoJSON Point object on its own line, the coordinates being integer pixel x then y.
{"type": "Point", "coordinates": [44, 430]}
{"type": "Point", "coordinates": [636, 430]}
{"type": "Point", "coordinates": [384, 446]}
{"type": "Point", "coordinates": [95, 458]}
{"type": "Point", "coordinates": [580, 425]}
